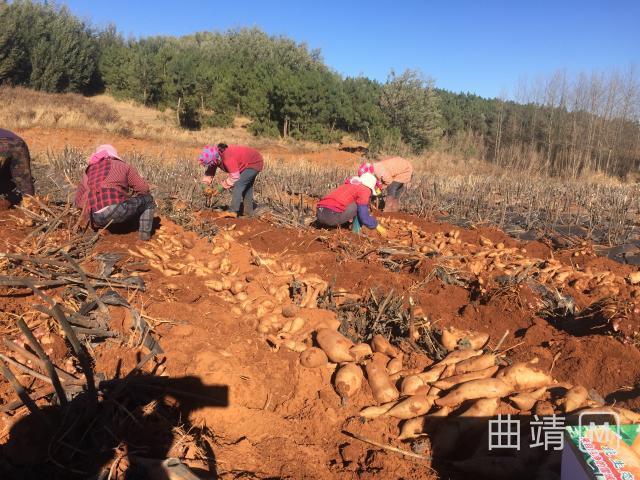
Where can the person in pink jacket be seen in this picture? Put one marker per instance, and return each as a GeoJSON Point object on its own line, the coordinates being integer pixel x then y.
{"type": "Point", "coordinates": [242, 165]}
{"type": "Point", "coordinates": [393, 174]}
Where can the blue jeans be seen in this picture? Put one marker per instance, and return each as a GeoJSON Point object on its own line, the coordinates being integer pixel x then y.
{"type": "Point", "coordinates": [243, 192]}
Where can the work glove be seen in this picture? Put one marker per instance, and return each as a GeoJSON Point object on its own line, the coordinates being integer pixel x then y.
{"type": "Point", "coordinates": [381, 230]}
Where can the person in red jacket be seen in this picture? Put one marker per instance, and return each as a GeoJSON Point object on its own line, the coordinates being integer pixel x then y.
{"type": "Point", "coordinates": [350, 201]}
{"type": "Point", "coordinates": [113, 192]}
{"type": "Point", "coordinates": [242, 164]}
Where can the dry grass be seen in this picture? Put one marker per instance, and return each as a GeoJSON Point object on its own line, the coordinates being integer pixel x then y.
{"type": "Point", "coordinates": [464, 190]}
{"type": "Point", "coordinates": [21, 108]}
{"type": "Point", "coordinates": [605, 212]}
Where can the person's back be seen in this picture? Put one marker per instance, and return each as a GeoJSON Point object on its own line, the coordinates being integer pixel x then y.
{"type": "Point", "coordinates": [242, 164]}
{"type": "Point", "coordinates": [105, 192]}
{"type": "Point", "coordinates": [344, 195]}
{"type": "Point", "coordinates": [108, 183]}
{"type": "Point", "coordinates": [241, 157]}
{"type": "Point", "coordinates": [394, 169]}
{"type": "Point", "coordinates": [349, 201]}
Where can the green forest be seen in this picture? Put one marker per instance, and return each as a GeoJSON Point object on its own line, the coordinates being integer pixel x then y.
{"type": "Point", "coordinates": [560, 125]}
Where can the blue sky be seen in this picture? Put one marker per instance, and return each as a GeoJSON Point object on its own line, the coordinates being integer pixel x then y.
{"type": "Point", "coordinates": [484, 47]}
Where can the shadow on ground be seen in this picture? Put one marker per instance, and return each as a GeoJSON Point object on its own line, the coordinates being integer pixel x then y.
{"type": "Point", "coordinates": [139, 422]}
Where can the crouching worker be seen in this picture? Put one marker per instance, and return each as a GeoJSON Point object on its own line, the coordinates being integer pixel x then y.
{"type": "Point", "coordinates": [394, 174]}
{"type": "Point", "coordinates": [242, 165]}
{"type": "Point", "coordinates": [350, 202]}
{"type": "Point", "coordinates": [15, 167]}
{"type": "Point", "coordinates": [113, 192]}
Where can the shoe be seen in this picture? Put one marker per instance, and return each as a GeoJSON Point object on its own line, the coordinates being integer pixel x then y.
{"type": "Point", "coordinates": [144, 236]}
{"type": "Point", "coordinates": [229, 215]}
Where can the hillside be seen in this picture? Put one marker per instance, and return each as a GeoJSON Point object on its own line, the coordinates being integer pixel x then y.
{"type": "Point", "coordinates": [565, 124]}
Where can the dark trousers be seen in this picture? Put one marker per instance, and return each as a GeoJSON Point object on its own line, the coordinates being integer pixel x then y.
{"type": "Point", "coordinates": [243, 192]}
{"type": "Point", "coordinates": [328, 217]}
{"type": "Point", "coordinates": [15, 169]}
{"type": "Point", "coordinates": [395, 189]}
{"type": "Point", "coordinates": [143, 206]}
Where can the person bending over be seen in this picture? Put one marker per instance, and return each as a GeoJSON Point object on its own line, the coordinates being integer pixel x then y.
{"type": "Point", "coordinates": [393, 174]}
{"type": "Point", "coordinates": [242, 165]}
{"type": "Point", "coordinates": [350, 202]}
{"type": "Point", "coordinates": [113, 192]}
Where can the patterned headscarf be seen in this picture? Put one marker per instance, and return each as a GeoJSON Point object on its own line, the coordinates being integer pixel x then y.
{"type": "Point", "coordinates": [367, 167]}
{"type": "Point", "coordinates": [210, 156]}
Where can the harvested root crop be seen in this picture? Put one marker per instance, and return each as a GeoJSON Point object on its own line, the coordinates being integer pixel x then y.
{"type": "Point", "coordinates": [575, 398]}
{"type": "Point", "coordinates": [415, 427]}
{"type": "Point", "coordinates": [382, 345]}
{"type": "Point", "coordinates": [484, 388]}
{"type": "Point", "coordinates": [524, 377]}
{"type": "Point", "coordinates": [395, 365]}
{"type": "Point", "coordinates": [458, 356]}
{"type": "Point", "coordinates": [376, 411]}
{"type": "Point", "coordinates": [360, 351]}
{"type": "Point", "coordinates": [290, 311]}
{"type": "Point", "coordinates": [348, 381]}
{"type": "Point", "coordinates": [475, 364]}
{"type": "Point", "coordinates": [335, 345]}
{"type": "Point", "coordinates": [313, 357]}
{"type": "Point", "coordinates": [381, 385]}
{"type": "Point", "coordinates": [485, 407]}
{"type": "Point", "coordinates": [411, 407]}
{"type": "Point", "coordinates": [413, 385]}
{"type": "Point", "coordinates": [526, 400]}
{"type": "Point", "coordinates": [450, 382]}
{"type": "Point", "coordinates": [452, 338]}
{"type": "Point", "coordinates": [294, 345]}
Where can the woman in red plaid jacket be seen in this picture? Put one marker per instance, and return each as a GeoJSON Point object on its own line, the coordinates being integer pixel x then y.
{"type": "Point", "coordinates": [113, 192]}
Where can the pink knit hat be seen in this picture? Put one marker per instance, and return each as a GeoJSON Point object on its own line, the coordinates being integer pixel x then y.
{"type": "Point", "coordinates": [103, 151]}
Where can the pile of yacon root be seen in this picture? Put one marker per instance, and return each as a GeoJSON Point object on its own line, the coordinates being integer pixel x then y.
{"type": "Point", "coordinates": [471, 381]}
{"type": "Point", "coordinates": [274, 309]}
{"type": "Point", "coordinates": [496, 258]}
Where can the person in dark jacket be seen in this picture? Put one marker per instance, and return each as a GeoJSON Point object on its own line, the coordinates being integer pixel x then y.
{"type": "Point", "coordinates": [113, 192]}
{"type": "Point", "coordinates": [242, 165]}
{"type": "Point", "coordinates": [15, 167]}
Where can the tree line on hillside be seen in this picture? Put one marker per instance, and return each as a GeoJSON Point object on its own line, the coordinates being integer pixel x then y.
{"type": "Point", "coordinates": [558, 126]}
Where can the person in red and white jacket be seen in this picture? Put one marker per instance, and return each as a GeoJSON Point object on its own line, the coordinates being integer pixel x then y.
{"type": "Point", "coordinates": [113, 192]}
{"type": "Point", "coordinates": [242, 164]}
{"type": "Point", "coordinates": [348, 202]}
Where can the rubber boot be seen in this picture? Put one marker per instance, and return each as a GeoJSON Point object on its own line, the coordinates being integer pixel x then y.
{"type": "Point", "coordinates": [355, 226]}
{"type": "Point", "coordinates": [391, 205]}
{"type": "Point", "coordinates": [247, 209]}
